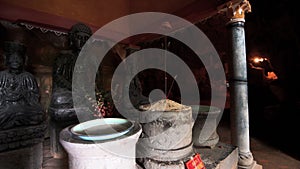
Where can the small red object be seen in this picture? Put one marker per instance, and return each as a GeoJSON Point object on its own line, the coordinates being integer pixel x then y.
{"type": "Point", "coordinates": [195, 163]}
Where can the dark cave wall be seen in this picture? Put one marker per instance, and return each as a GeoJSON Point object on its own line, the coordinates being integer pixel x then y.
{"type": "Point", "coordinates": [42, 48]}
{"type": "Point", "coordinates": [272, 31]}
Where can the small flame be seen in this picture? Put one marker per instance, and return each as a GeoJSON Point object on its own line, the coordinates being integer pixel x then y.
{"type": "Point", "coordinates": [240, 10]}
{"type": "Point", "coordinates": [258, 59]}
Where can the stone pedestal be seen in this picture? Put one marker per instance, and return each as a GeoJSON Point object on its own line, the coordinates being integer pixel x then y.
{"type": "Point", "coordinates": [222, 156]}
{"type": "Point", "coordinates": [59, 119]}
{"type": "Point", "coordinates": [25, 158]}
{"type": "Point", "coordinates": [113, 154]}
{"type": "Point", "coordinates": [22, 147]}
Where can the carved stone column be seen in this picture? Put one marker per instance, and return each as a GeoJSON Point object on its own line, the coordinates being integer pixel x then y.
{"type": "Point", "coordinates": [239, 113]}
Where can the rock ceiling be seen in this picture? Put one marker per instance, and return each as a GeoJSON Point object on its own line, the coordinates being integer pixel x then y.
{"type": "Point", "coordinates": [60, 15]}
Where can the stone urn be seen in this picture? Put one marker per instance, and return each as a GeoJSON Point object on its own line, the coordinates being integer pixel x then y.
{"type": "Point", "coordinates": [205, 126]}
{"type": "Point", "coordinates": [166, 140]}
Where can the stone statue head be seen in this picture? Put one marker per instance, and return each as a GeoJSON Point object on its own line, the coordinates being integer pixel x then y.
{"type": "Point", "coordinates": [78, 35]}
{"type": "Point", "coordinates": [14, 55]}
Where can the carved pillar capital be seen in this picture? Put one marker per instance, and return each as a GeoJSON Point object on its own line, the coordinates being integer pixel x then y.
{"type": "Point", "coordinates": [235, 10]}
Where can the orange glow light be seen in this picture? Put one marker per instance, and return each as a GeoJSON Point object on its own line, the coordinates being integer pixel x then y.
{"type": "Point", "coordinates": [258, 59]}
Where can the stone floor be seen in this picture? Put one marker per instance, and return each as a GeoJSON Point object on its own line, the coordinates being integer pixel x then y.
{"type": "Point", "coordinates": [265, 155]}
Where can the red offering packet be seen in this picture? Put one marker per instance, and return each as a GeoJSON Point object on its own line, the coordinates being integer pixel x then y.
{"type": "Point", "coordinates": [195, 163]}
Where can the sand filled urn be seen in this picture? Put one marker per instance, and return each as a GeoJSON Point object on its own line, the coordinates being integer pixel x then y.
{"type": "Point", "coordinates": [167, 136]}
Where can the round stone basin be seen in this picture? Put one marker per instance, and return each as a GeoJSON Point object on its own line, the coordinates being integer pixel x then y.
{"type": "Point", "coordinates": [102, 129]}
{"type": "Point", "coordinates": [205, 126]}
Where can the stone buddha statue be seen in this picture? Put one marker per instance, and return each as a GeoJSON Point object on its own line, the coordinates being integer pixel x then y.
{"type": "Point", "coordinates": [61, 108]}
{"type": "Point", "coordinates": [19, 93]}
{"type": "Point", "coordinates": [61, 104]}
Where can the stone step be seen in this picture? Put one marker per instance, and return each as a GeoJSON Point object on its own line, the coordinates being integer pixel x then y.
{"type": "Point", "coordinates": [222, 156]}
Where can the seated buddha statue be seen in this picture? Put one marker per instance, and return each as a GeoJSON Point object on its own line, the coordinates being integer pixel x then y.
{"type": "Point", "coordinates": [19, 92]}
{"type": "Point", "coordinates": [61, 105]}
